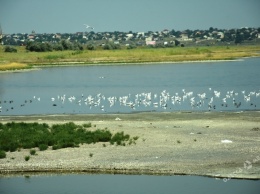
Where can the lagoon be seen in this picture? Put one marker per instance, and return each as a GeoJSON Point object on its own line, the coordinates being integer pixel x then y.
{"type": "Point", "coordinates": [202, 86]}
{"type": "Point", "coordinates": [168, 87]}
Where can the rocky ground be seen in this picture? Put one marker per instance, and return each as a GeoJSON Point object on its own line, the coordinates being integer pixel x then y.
{"type": "Point", "coordinates": [209, 144]}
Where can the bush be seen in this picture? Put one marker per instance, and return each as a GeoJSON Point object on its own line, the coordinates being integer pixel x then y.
{"type": "Point", "coordinates": [111, 46]}
{"type": "Point", "coordinates": [43, 147]}
{"type": "Point", "coordinates": [32, 152]}
{"type": "Point", "coordinates": [26, 158]}
{"type": "Point", "coordinates": [131, 47]}
{"type": "Point", "coordinates": [57, 47]}
{"type": "Point", "coordinates": [119, 137]}
{"type": "Point", "coordinates": [10, 49]}
{"type": "Point", "coordinates": [87, 125]}
{"type": "Point", "coordinates": [56, 147]}
{"type": "Point", "coordinates": [90, 47]}
{"type": "Point", "coordinates": [44, 47]}
{"type": "Point", "coordinates": [2, 154]}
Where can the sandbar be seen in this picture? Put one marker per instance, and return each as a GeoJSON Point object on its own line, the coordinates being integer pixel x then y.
{"type": "Point", "coordinates": [215, 144]}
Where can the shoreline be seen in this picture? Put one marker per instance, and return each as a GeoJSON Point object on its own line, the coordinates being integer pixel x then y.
{"type": "Point", "coordinates": [76, 64]}
{"type": "Point", "coordinates": [166, 146]}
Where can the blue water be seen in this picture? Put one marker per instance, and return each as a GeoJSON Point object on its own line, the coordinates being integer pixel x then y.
{"type": "Point", "coordinates": [127, 184]}
{"type": "Point", "coordinates": [210, 86]}
{"type": "Point", "coordinates": [214, 86]}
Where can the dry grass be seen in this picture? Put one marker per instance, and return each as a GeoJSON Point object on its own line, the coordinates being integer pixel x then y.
{"type": "Point", "coordinates": [12, 66]}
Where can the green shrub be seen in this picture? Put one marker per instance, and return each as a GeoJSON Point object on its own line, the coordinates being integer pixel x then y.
{"type": "Point", "coordinates": [26, 158]}
{"type": "Point", "coordinates": [2, 154]}
{"type": "Point", "coordinates": [90, 47]}
{"type": "Point", "coordinates": [10, 49]}
{"type": "Point", "coordinates": [111, 46]}
{"type": "Point", "coordinates": [14, 136]}
{"type": "Point", "coordinates": [87, 125]}
{"type": "Point", "coordinates": [56, 147]}
{"type": "Point", "coordinates": [43, 147]}
{"type": "Point", "coordinates": [119, 137]}
{"type": "Point", "coordinates": [33, 152]}
{"type": "Point", "coordinates": [131, 46]}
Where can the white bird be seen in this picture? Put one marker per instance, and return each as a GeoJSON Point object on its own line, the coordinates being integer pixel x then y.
{"type": "Point", "coordinates": [226, 141]}
{"type": "Point", "coordinates": [87, 26]}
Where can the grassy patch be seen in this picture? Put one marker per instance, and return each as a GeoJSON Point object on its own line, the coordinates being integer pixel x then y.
{"type": "Point", "coordinates": [124, 56]}
{"type": "Point", "coordinates": [15, 136]}
{"type": "Point", "coordinates": [13, 66]}
{"type": "Point", "coordinates": [54, 57]}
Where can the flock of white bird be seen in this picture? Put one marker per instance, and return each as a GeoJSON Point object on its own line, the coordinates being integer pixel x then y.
{"type": "Point", "coordinates": [164, 100]}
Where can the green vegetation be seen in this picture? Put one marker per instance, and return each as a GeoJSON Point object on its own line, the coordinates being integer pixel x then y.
{"type": "Point", "coordinates": [46, 46]}
{"type": "Point", "coordinates": [14, 136]}
{"type": "Point", "coordinates": [43, 147]}
{"type": "Point", "coordinates": [33, 152]}
{"type": "Point", "coordinates": [24, 59]}
{"type": "Point", "coordinates": [10, 49]}
{"type": "Point", "coordinates": [118, 138]}
{"type": "Point", "coordinates": [256, 129]}
{"type": "Point", "coordinates": [2, 154]}
{"type": "Point", "coordinates": [26, 158]}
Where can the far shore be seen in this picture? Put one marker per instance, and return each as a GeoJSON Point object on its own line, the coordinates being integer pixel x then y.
{"type": "Point", "coordinates": [216, 144]}
{"type": "Point", "coordinates": [74, 64]}
{"type": "Point", "coordinates": [28, 60]}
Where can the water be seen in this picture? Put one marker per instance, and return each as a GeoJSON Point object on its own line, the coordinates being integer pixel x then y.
{"type": "Point", "coordinates": [210, 86]}
{"type": "Point", "coordinates": [214, 86]}
{"type": "Point", "coordinates": [127, 184]}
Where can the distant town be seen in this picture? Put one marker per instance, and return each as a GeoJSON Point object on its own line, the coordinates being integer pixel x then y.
{"type": "Point", "coordinates": [164, 38]}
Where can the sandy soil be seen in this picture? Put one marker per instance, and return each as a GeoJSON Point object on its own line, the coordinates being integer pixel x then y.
{"type": "Point", "coordinates": [169, 143]}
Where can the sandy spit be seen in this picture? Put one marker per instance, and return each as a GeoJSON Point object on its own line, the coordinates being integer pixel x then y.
{"type": "Point", "coordinates": [219, 144]}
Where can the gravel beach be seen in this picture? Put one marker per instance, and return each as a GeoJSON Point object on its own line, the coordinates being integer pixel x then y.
{"type": "Point", "coordinates": [218, 144]}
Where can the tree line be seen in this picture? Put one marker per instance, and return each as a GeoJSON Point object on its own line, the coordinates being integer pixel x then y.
{"type": "Point", "coordinates": [47, 46]}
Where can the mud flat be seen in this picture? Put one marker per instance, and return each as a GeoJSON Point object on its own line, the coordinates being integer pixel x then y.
{"type": "Point", "coordinates": [218, 144]}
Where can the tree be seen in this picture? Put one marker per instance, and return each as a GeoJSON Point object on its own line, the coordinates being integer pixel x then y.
{"type": "Point", "coordinates": [211, 29]}
{"type": "Point", "coordinates": [238, 38]}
